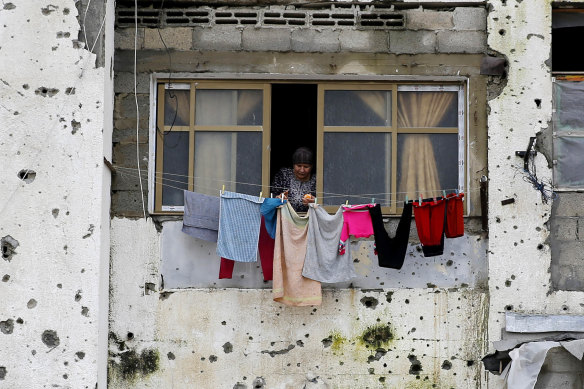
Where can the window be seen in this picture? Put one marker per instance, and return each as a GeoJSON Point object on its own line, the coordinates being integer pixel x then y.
{"type": "Point", "coordinates": [568, 99]}
{"type": "Point", "coordinates": [373, 140]}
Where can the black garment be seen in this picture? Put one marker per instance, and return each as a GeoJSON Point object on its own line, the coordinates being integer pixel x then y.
{"type": "Point", "coordinates": [391, 252]}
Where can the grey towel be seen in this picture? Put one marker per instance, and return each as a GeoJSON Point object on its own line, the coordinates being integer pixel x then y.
{"type": "Point", "coordinates": [323, 262]}
{"type": "Point", "coordinates": [201, 218]}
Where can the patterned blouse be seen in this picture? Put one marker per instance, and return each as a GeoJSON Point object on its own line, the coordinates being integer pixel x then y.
{"type": "Point", "coordinates": [286, 180]}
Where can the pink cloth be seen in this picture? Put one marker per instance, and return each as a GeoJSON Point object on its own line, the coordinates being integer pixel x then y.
{"type": "Point", "coordinates": [356, 222]}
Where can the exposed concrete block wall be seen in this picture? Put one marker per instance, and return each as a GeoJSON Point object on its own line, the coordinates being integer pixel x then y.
{"type": "Point", "coordinates": [520, 256]}
{"type": "Point", "coordinates": [54, 194]}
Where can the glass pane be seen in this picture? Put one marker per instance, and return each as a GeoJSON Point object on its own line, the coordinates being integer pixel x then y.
{"type": "Point", "coordinates": [176, 168]}
{"type": "Point", "coordinates": [233, 159]}
{"type": "Point", "coordinates": [569, 105]}
{"type": "Point", "coordinates": [427, 109]}
{"type": "Point", "coordinates": [357, 108]}
{"type": "Point", "coordinates": [357, 167]}
{"type": "Point", "coordinates": [569, 154]}
{"type": "Point", "coordinates": [176, 107]}
{"type": "Point", "coordinates": [427, 164]}
{"type": "Point", "coordinates": [229, 107]}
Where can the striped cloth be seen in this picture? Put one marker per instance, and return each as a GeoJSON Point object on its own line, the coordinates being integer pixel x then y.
{"type": "Point", "coordinates": [239, 227]}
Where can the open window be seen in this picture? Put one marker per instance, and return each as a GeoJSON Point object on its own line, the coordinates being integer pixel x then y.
{"type": "Point", "coordinates": [372, 140]}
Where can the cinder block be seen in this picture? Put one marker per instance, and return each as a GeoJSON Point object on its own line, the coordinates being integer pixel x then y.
{"type": "Point", "coordinates": [266, 39]}
{"type": "Point", "coordinates": [557, 381]}
{"type": "Point", "coordinates": [128, 135]}
{"type": "Point", "coordinates": [127, 203]}
{"type": "Point", "coordinates": [310, 40]}
{"type": "Point", "coordinates": [420, 19]}
{"type": "Point", "coordinates": [217, 38]}
{"type": "Point", "coordinates": [470, 18]}
{"type": "Point", "coordinates": [370, 41]}
{"type": "Point", "coordinates": [564, 228]}
{"type": "Point", "coordinates": [124, 38]}
{"type": "Point", "coordinates": [412, 42]}
{"type": "Point", "coordinates": [568, 204]}
{"type": "Point", "coordinates": [125, 110]}
{"type": "Point", "coordinates": [559, 360]}
{"type": "Point", "coordinates": [178, 38]}
{"type": "Point", "coordinates": [125, 155]}
{"type": "Point", "coordinates": [124, 82]}
{"type": "Point", "coordinates": [462, 41]}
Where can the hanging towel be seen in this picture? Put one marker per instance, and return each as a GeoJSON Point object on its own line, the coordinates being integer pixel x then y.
{"type": "Point", "coordinates": [391, 252]}
{"type": "Point", "coordinates": [201, 217]}
{"type": "Point", "coordinates": [454, 216]}
{"type": "Point", "coordinates": [266, 249]}
{"type": "Point", "coordinates": [323, 262]}
{"type": "Point", "coordinates": [289, 286]}
{"type": "Point", "coordinates": [430, 219]}
{"type": "Point", "coordinates": [356, 222]}
{"type": "Point", "coordinates": [268, 210]}
{"type": "Point", "coordinates": [239, 227]}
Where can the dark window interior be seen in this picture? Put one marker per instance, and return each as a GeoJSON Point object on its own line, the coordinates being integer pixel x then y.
{"type": "Point", "coordinates": [293, 122]}
{"type": "Point", "coordinates": [567, 33]}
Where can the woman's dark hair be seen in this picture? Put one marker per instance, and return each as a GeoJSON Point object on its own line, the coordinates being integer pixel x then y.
{"type": "Point", "coordinates": [303, 155]}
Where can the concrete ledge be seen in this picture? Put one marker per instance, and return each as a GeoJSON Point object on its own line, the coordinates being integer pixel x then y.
{"type": "Point", "coordinates": [517, 322]}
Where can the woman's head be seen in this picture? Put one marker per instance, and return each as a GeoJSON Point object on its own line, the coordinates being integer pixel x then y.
{"type": "Point", "coordinates": [302, 161]}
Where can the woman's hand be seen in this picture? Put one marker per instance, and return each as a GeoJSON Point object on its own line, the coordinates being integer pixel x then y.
{"type": "Point", "coordinates": [307, 199]}
{"type": "Point", "coordinates": [285, 194]}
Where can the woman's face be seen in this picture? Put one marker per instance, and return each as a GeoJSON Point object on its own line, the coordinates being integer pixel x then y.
{"type": "Point", "coordinates": [302, 171]}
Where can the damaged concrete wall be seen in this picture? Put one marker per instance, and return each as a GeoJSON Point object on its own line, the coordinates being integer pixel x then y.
{"type": "Point", "coordinates": [519, 252]}
{"type": "Point", "coordinates": [414, 331]}
{"type": "Point", "coordinates": [54, 191]}
{"type": "Point", "coordinates": [225, 338]}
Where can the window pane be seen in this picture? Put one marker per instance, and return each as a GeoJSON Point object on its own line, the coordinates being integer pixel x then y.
{"type": "Point", "coordinates": [233, 159]}
{"type": "Point", "coordinates": [426, 164]}
{"type": "Point", "coordinates": [356, 164]}
{"type": "Point", "coordinates": [569, 105]}
{"type": "Point", "coordinates": [569, 154]}
{"type": "Point", "coordinates": [176, 167]}
{"type": "Point", "coordinates": [176, 107]}
{"type": "Point", "coordinates": [229, 107]}
{"type": "Point", "coordinates": [357, 108]}
{"type": "Point", "coordinates": [427, 109]}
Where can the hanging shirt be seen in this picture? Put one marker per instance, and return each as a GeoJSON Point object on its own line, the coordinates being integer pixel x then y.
{"type": "Point", "coordinates": [356, 222]}
{"type": "Point", "coordinates": [323, 262]}
{"type": "Point", "coordinates": [430, 219]}
{"type": "Point", "coordinates": [454, 216]}
{"type": "Point", "coordinates": [289, 286]}
{"type": "Point", "coordinates": [391, 252]}
{"type": "Point", "coordinates": [201, 216]}
{"type": "Point", "coordinates": [239, 227]}
{"type": "Point", "coordinates": [268, 211]}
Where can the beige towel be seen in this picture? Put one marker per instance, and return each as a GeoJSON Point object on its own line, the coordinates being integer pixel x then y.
{"type": "Point", "coordinates": [289, 286]}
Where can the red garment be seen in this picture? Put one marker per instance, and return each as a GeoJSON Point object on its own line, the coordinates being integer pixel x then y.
{"type": "Point", "coordinates": [429, 218]}
{"type": "Point", "coordinates": [454, 216]}
{"type": "Point", "coordinates": [266, 249]}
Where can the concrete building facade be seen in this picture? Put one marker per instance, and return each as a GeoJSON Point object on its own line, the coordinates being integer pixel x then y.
{"type": "Point", "coordinates": [102, 289]}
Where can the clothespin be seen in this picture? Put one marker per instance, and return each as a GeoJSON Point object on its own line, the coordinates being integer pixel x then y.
{"type": "Point", "coordinates": [315, 200]}
{"type": "Point", "coordinates": [373, 200]}
{"type": "Point", "coordinates": [282, 197]}
{"type": "Point", "coordinates": [420, 199]}
{"type": "Point", "coordinates": [222, 190]}
{"type": "Point", "coordinates": [271, 195]}
{"type": "Point", "coordinates": [261, 194]}
{"type": "Point", "coordinates": [444, 193]}
{"type": "Point", "coordinates": [406, 199]}
{"type": "Point", "coordinates": [347, 202]}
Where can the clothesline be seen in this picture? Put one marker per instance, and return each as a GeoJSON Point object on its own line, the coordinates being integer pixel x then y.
{"type": "Point", "coordinates": [367, 197]}
{"type": "Point", "coordinates": [329, 194]}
